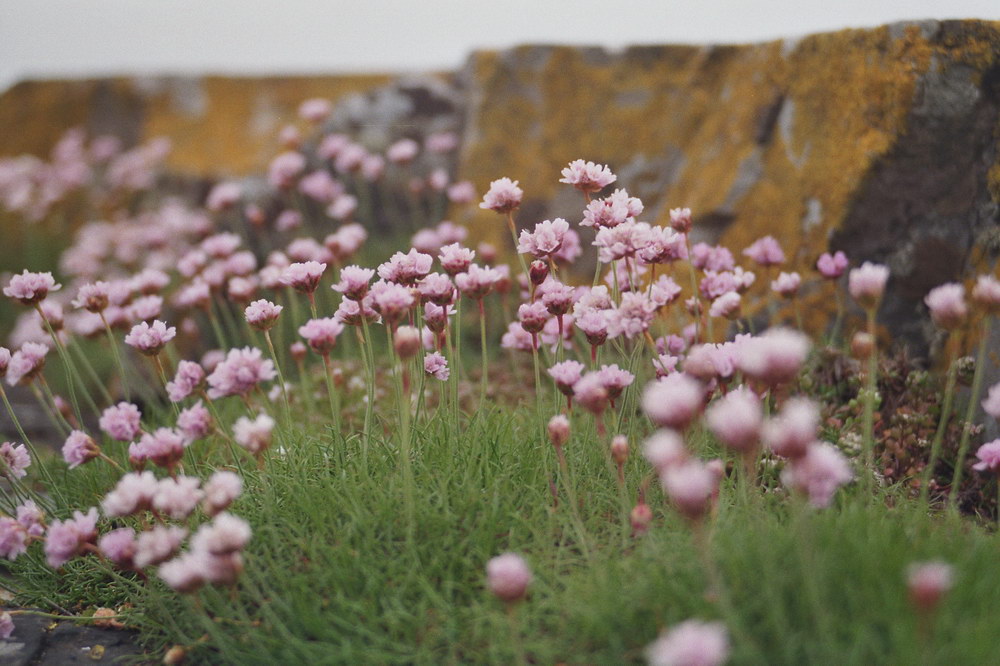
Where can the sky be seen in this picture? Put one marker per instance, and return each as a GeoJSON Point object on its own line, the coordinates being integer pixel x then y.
{"type": "Point", "coordinates": [79, 38]}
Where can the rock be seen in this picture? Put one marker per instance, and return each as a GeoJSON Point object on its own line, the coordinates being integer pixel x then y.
{"type": "Point", "coordinates": [41, 641]}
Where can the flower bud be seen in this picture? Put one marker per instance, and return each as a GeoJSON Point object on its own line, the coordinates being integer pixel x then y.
{"type": "Point", "coordinates": [508, 577]}
{"type": "Point", "coordinates": [298, 351]}
{"type": "Point", "coordinates": [538, 271]}
{"type": "Point", "coordinates": [406, 341]}
{"type": "Point", "coordinates": [862, 345]}
{"type": "Point", "coordinates": [619, 449]}
{"type": "Point", "coordinates": [641, 517]}
{"type": "Point", "coordinates": [928, 582]}
{"type": "Point", "coordinates": [558, 430]}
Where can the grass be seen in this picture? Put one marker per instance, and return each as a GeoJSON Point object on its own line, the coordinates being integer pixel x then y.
{"type": "Point", "coordinates": [334, 575]}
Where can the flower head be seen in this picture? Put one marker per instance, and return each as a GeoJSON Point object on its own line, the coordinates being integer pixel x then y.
{"type": "Point", "coordinates": [736, 419]}
{"type": "Point", "coordinates": [255, 435]}
{"type": "Point", "coordinates": [765, 251]}
{"type": "Point", "coordinates": [673, 401]}
{"type": "Point", "coordinates": [30, 288]}
{"type": "Point", "coordinates": [832, 266]}
{"type": "Point", "coordinates": [436, 365]}
{"type": "Point", "coordinates": [818, 473]}
{"type": "Point", "coordinates": [239, 373]}
{"type": "Point", "coordinates": [867, 284]}
{"type": "Point", "coordinates": [79, 448]}
{"type": "Point", "coordinates": [947, 305]}
{"type": "Point", "coordinates": [545, 240]}
{"type": "Point", "coordinates": [508, 577]}
{"type": "Point", "coordinates": [262, 314]}
{"type": "Point", "coordinates": [503, 196]}
{"type": "Point", "coordinates": [14, 460]}
{"type": "Point", "coordinates": [690, 643]}
{"type": "Point", "coordinates": [321, 334]}
{"type": "Point", "coordinates": [354, 282]}
{"type": "Point", "coordinates": [587, 176]}
{"type": "Point", "coordinates": [26, 363]}
{"type": "Point", "coordinates": [304, 276]}
{"type": "Point", "coordinates": [928, 582]}
{"type": "Point", "coordinates": [93, 297]}
{"type": "Point", "coordinates": [188, 379]}
{"type": "Point", "coordinates": [989, 457]}
{"type": "Point", "coordinates": [150, 340]}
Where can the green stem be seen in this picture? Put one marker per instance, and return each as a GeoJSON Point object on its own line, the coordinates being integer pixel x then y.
{"type": "Point", "coordinates": [868, 424]}
{"type": "Point", "coordinates": [331, 395]}
{"type": "Point", "coordinates": [281, 377]}
{"type": "Point", "coordinates": [482, 338]}
{"type": "Point", "coordinates": [970, 412]}
{"type": "Point", "coordinates": [67, 366]}
{"type": "Point", "coordinates": [113, 343]}
{"type": "Point", "coordinates": [949, 393]}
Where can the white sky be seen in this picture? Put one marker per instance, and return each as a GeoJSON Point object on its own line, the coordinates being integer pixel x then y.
{"type": "Point", "coordinates": [50, 38]}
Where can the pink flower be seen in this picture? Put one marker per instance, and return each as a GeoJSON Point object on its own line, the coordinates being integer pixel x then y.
{"type": "Point", "coordinates": [437, 288]}
{"type": "Point", "coordinates": [818, 473]}
{"type": "Point", "coordinates": [709, 258]}
{"type": "Point", "coordinates": [177, 498]}
{"type": "Point", "coordinates": [403, 151]}
{"type": "Point", "coordinates": [545, 240]}
{"type": "Point", "coordinates": [31, 518]}
{"type": "Point", "coordinates": [189, 378]}
{"type": "Point", "coordinates": [611, 211]}
{"type": "Point", "coordinates": [594, 324]}
{"type": "Point", "coordinates": [93, 297]}
{"type": "Point", "coordinates": [566, 375]}
{"type": "Point", "coordinates": [195, 422]}
{"type": "Point", "coordinates": [775, 357]}
{"type": "Point", "coordinates": [436, 365]}
{"type": "Point", "coordinates": [928, 582]}
{"type": "Point", "coordinates": [158, 544]}
{"type": "Point", "coordinates": [79, 448]}
{"type": "Point", "coordinates": [224, 535]}
{"type": "Point", "coordinates": [223, 196]}
{"type": "Point", "coordinates": [477, 282]}
{"type": "Point", "coordinates": [989, 457]}
{"type": "Point", "coordinates": [321, 334]}
{"type": "Point", "coordinates": [119, 547]}
{"type": "Point", "coordinates": [832, 266]}
{"type": "Point", "coordinates": [285, 168]}
{"type": "Point", "coordinates": [663, 449]}
{"type": "Point", "coordinates": [13, 538]}
{"type": "Point", "coordinates": [240, 372]}
{"type": "Point", "coordinates": [556, 296]}
{"type": "Point", "coordinates": [633, 316]}
{"type": "Point", "coordinates": [4, 361]}
{"type": "Point", "coordinates": [665, 246]}
{"type": "Point", "coordinates": [441, 142]}
{"type": "Point", "coordinates": [727, 305]}
{"type": "Point", "coordinates": [787, 285]}
{"type": "Point", "coordinates": [680, 220]}
{"type": "Point", "coordinates": [134, 492]}
{"type": "Point", "coordinates": [516, 338]}
{"type": "Point", "coordinates": [503, 196]}
{"type": "Point", "coordinates": [615, 380]}
{"type": "Point", "coordinates": [867, 284]}
{"type": "Point", "coordinates": [14, 460]}
{"type": "Point", "coordinates": [315, 110]}
{"type": "Point", "coordinates": [790, 433]}
{"type": "Point", "coordinates": [255, 435]}
{"type": "Point", "coordinates": [691, 643]}
{"type": "Point", "coordinates": [462, 192]}
{"type": "Point", "coordinates": [591, 393]}
{"type": "Point", "coordinates": [391, 300]}
{"type": "Point", "coordinates": [947, 305]}
{"type": "Point", "coordinates": [736, 419]}
{"type": "Point", "coordinates": [587, 176]}
{"type": "Point", "coordinates": [303, 276]}
{"type": "Point", "coordinates": [262, 314]}
{"type": "Point", "coordinates": [622, 241]}
{"type": "Point", "coordinates": [765, 251]}
{"type": "Point", "coordinates": [221, 490]}
{"type": "Point", "coordinates": [690, 485]}
{"type": "Point", "coordinates": [26, 363]}
{"type": "Point", "coordinates": [673, 401]}
{"type": "Point", "coordinates": [533, 316]}
{"type": "Point", "coordinates": [65, 539]}
{"type": "Point", "coordinates": [30, 288]}
{"type": "Point", "coordinates": [6, 625]}
{"type": "Point", "coordinates": [150, 340]}
{"type": "Point", "coordinates": [164, 446]}
{"type": "Point", "coordinates": [354, 282]}
{"type": "Point", "coordinates": [991, 405]}
{"type": "Point", "coordinates": [508, 577]}
{"type": "Point", "coordinates": [146, 308]}
{"type": "Point", "coordinates": [986, 293]}
{"type": "Point", "coordinates": [406, 269]}
{"type": "Point", "coordinates": [455, 259]}
{"type": "Point", "coordinates": [346, 241]}
{"type": "Point", "coordinates": [354, 313]}
{"type": "Point", "coordinates": [559, 430]}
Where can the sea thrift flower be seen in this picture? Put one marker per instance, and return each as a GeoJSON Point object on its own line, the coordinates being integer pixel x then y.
{"type": "Point", "coordinates": [255, 435]}
{"type": "Point", "coordinates": [354, 282]}
{"type": "Point", "coordinates": [177, 498]}
{"type": "Point", "coordinates": [508, 577]}
{"type": "Point", "coordinates": [477, 282]}
{"type": "Point", "coordinates": [663, 449]}
{"type": "Point", "coordinates": [354, 313]}
{"type": "Point", "coordinates": [13, 538]}
{"type": "Point", "coordinates": [303, 277]}
{"type": "Point", "coordinates": [615, 380]}
{"type": "Point", "coordinates": [321, 334]}
{"type": "Point", "coordinates": [775, 357]}
{"type": "Point", "coordinates": [285, 168]}
{"type": "Point", "coordinates": [119, 547]}
{"type": "Point", "coordinates": [150, 340]}
{"type": "Point", "coordinates": [406, 341]}
{"type": "Point", "coordinates": [14, 460]}
{"type": "Point", "coordinates": [633, 316]}
{"type": "Point", "coordinates": [818, 473]}
{"type": "Point", "coordinates": [673, 401]}
{"type": "Point", "coordinates": [516, 338]}
{"type": "Point", "coordinates": [787, 285]}
{"type": "Point", "coordinates": [832, 266]}
{"type": "Point", "coordinates": [867, 284]}
{"type": "Point", "coordinates": [765, 251]}
{"type": "Point", "coordinates": [680, 220]}
{"type": "Point", "coordinates": [92, 297]}
{"type": "Point", "coordinates": [65, 539]}
{"type": "Point", "coordinates": [403, 151]}
{"type": "Point", "coordinates": [4, 361]}
{"type": "Point", "coordinates": [594, 325]}
{"type": "Point", "coordinates": [503, 196]}
{"type": "Point", "coordinates": [262, 314]}
{"type": "Point", "coordinates": [437, 288]}
{"type": "Point", "coordinates": [240, 372]}
{"type": "Point", "coordinates": [558, 429]}
{"type": "Point", "coordinates": [532, 316]}
{"type": "Point", "coordinates": [587, 176]}
{"type": "Point", "coordinates": [691, 643]}
{"type": "Point", "coordinates": [79, 448]}
{"type": "Point", "coordinates": [611, 211]}
{"type": "Point", "coordinates": [315, 110]}
{"type": "Point", "coordinates": [31, 518]}
{"type": "Point", "coordinates": [407, 268]}
{"type": "Point", "coordinates": [991, 405]}
{"type": "Point", "coordinates": [591, 393]}
{"type": "Point", "coordinates": [545, 240]}
{"type": "Point", "coordinates": [928, 582]}
{"type": "Point", "coordinates": [791, 432]}
{"type": "Point", "coordinates": [189, 379]}
{"type": "Point", "coordinates": [391, 300]}
{"type": "Point", "coordinates": [223, 196]}
{"type": "Point", "coordinates": [690, 485]}
{"type": "Point", "coordinates": [195, 422]}
{"type": "Point", "coordinates": [158, 544]}
{"type": "Point", "coordinates": [625, 240]}
{"type": "Point", "coordinates": [221, 490]}
{"type": "Point", "coordinates": [989, 457]}
{"type": "Point", "coordinates": [134, 492]}
{"type": "Point", "coordinates": [26, 363]}
{"type": "Point", "coordinates": [30, 288]}
{"type": "Point", "coordinates": [566, 375]}
{"type": "Point", "coordinates": [164, 446]}
{"type": "Point", "coordinates": [146, 308]}
{"type": "Point", "coordinates": [6, 625]}
{"type": "Point", "coordinates": [736, 419]}
{"type": "Point", "coordinates": [986, 293]}
{"type": "Point", "coordinates": [727, 305]}
{"type": "Point", "coordinates": [436, 365]}
{"type": "Point", "coordinates": [455, 259]}
{"type": "Point", "coordinates": [947, 305]}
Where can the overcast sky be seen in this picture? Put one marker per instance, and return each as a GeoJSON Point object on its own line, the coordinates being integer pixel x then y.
{"type": "Point", "coordinates": [50, 38]}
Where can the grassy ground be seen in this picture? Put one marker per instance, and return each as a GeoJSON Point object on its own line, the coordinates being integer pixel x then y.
{"type": "Point", "coordinates": [336, 574]}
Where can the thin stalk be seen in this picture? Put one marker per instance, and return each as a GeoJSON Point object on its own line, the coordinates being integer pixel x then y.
{"type": "Point", "coordinates": [949, 394]}
{"type": "Point", "coordinates": [868, 423]}
{"type": "Point", "coordinates": [281, 377]}
{"type": "Point", "coordinates": [94, 377]}
{"type": "Point", "coordinates": [970, 412]}
{"type": "Point", "coordinates": [67, 365]}
{"type": "Point", "coordinates": [113, 343]}
{"type": "Point", "coordinates": [574, 507]}
{"type": "Point", "coordinates": [331, 394]}
{"type": "Point", "coordinates": [513, 235]}
{"type": "Point", "coordinates": [369, 385]}
{"type": "Point", "coordinates": [482, 339]}
{"type": "Point", "coordinates": [31, 447]}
